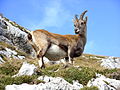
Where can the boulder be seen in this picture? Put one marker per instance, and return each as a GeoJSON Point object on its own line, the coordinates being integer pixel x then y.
{"type": "Point", "coordinates": [26, 69]}
{"type": "Point", "coordinates": [51, 83]}
{"type": "Point", "coordinates": [104, 83]}
{"type": "Point", "coordinates": [7, 52]}
{"type": "Point", "coordinates": [58, 83]}
{"type": "Point", "coordinates": [111, 62]}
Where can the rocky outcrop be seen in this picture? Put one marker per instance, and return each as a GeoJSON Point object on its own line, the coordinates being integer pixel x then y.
{"type": "Point", "coordinates": [111, 62]}
{"type": "Point", "coordinates": [104, 83]}
{"type": "Point", "coordinates": [59, 83]}
{"type": "Point", "coordinates": [26, 69]}
{"type": "Point", "coordinates": [50, 84]}
{"type": "Point", "coordinates": [7, 52]}
{"type": "Point", "coordinates": [15, 36]}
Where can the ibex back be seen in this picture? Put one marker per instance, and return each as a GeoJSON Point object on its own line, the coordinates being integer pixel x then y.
{"type": "Point", "coordinates": [56, 46]}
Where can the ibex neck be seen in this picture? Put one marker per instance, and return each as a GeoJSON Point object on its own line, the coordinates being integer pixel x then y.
{"type": "Point", "coordinates": [83, 36]}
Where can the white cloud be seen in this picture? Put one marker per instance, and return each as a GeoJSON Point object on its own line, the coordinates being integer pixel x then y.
{"type": "Point", "coordinates": [54, 15]}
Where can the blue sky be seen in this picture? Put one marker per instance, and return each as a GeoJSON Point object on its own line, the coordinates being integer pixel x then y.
{"type": "Point", "coordinates": [103, 33]}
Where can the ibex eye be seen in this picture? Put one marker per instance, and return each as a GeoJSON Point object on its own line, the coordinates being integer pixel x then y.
{"type": "Point", "coordinates": [82, 23]}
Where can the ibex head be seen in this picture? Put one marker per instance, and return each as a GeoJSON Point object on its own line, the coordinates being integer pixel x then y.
{"type": "Point", "coordinates": [80, 24]}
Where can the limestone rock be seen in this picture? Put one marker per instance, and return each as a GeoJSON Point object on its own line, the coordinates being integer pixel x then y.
{"type": "Point", "coordinates": [16, 36]}
{"type": "Point", "coordinates": [10, 54]}
{"type": "Point", "coordinates": [51, 84]}
{"type": "Point", "coordinates": [104, 83]}
{"type": "Point", "coordinates": [58, 83]}
{"type": "Point", "coordinates": [111, 62]}
{"type": "Point", "coordinates": [26, 69]}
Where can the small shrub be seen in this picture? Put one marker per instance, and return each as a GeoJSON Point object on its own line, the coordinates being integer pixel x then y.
{"type": "Point", "coordinates": [8, 80]}
{"type": "Point", "coordinates": [24, 79]}
{"type": "Point", "coordinates": [83, 75]}
{"type": "Point", "coordinates": [90, 88]}
{"type": "Point", "coordinates": [2, 86]}
{"type": "Point", "coordinates": [9, 68]}
{"type": "Point", "coordinates": [114, 75]}
{"type": "Point", "coordinates": [50, 71]}
{"type": "Point", "coordinates": [12, 23]}
{"type": "Point", "coordinates": [106, 71]}
{"type": "Point", "coordinates": [53, 67]}
{"type": "Point", "coordinates": [4, 45]}
{"type": "Point", "coordinates": [36, 81]}
{"type": "Point", "coordinates": [6, 19]}
{"type": "Point", "coordinates": [5, 80]}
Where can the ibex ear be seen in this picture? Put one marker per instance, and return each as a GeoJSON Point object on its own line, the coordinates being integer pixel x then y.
{"type": "Point", "coordinates": [76, 18]}
{"type": "Point", "coordinates": [73, 20]}
{"type": "Point", "coordinates": [86, 18]}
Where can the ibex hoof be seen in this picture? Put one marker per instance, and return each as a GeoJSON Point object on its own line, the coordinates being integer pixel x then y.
{"type": "Point", "coordinates": [42, 67]}
{"type": "Point", "coordinates": [68, 65]}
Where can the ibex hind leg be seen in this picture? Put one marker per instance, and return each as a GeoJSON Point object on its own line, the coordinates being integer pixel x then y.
{"type": "Point", "coordinates": [41, 62]}
{"type": "Point", "coordinates": [68, 62]}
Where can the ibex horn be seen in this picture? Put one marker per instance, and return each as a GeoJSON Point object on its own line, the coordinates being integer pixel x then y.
{"type": "Point", "coordinates": [82, 15]}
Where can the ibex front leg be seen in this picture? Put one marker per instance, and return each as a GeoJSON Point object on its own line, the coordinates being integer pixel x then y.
{"type": "Point", "coordinates": [70, 56]}
{"type": "Point", "coordinates": [41, 54]}
{"type": "Point", "coordinates": [40, 61]}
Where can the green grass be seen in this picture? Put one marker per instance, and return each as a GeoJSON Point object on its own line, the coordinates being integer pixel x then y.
{"type": "Point", "coordinates": [10, 68]}
{"type": "Point", "coordinates": [107, 71]}
{"type": "Point", "coordinates": [6, 19]}
{"type": "Point", "coordinates": [88, 62]}
{"type": "Point", "coordinates": [83, 74]}
{"type": "Point", "coordinates": [89, 88]}
{"type": "Point", "coordinates": [8, 80]}
{"type": "Point", "coordinates": [5, 45]}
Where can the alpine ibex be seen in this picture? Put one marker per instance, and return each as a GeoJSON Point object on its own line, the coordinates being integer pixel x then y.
{"type": "Point", "coordinates": [56, 46]}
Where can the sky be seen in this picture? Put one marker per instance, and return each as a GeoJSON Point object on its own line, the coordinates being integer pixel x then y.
{"type": "Point", "coordinates": [103, 26]}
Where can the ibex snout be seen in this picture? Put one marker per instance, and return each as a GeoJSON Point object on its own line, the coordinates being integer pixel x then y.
{"type": "Point", "coordinates": [77, 31]}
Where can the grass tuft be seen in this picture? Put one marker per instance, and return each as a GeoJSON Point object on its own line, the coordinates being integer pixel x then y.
{"type": "Point", "coordinates": [90, 88]}
{"type": "Point", "coordinates": [8, 80]}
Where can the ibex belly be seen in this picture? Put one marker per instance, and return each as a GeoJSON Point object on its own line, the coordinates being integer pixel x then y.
{"type": "Point", "coordinates": [55, 53]}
